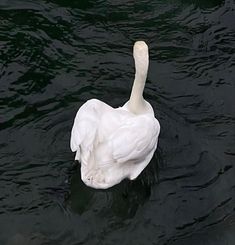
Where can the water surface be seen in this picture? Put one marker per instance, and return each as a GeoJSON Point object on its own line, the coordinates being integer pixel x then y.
{"type": "Point", "coordinates": [54, 56]}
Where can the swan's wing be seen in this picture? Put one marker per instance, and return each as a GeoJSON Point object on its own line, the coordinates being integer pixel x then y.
{"type": "Point", "coordinates": [85, 126]}
{"type": "Point", "coordinates": [83, 134]}
{"type": "Point", "coordinates": [135, 139]}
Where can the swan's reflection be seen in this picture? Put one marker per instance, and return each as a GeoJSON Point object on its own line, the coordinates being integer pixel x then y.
{"type": "Point", "coordinates": [121, 201]}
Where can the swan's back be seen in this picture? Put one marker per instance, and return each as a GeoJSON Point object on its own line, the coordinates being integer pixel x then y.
{"type": "Point", "coordinates": [112, 144]}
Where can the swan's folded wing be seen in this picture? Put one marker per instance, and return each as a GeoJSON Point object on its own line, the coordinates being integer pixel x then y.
{"type": "Point", "coordinates": [85, 127]}
{"type": "Point", "coordinates": [134, 140]}
{"type": "Point", "coordinates": [84, 131]}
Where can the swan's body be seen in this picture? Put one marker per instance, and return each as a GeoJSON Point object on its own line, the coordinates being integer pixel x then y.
{"type": "Point", "coordinates": [116, 143]}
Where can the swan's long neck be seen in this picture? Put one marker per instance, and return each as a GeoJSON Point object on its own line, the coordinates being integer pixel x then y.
{"type": "Point", "coordinates": [137, 103]}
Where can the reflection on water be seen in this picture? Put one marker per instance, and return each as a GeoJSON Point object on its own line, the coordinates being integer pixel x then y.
{"type": "Point", "coordinates": [121, 201]}
{"type": "Point", "coordinates": [54, 56]}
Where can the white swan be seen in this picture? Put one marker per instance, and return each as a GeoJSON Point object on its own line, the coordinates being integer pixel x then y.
{"type": "Point", "coordinates": [116, 143]}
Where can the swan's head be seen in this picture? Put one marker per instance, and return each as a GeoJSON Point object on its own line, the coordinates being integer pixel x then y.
{"type": "Point", "coordinates": [141, 57]}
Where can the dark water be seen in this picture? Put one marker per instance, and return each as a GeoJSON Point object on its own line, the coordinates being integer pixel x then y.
{"type": "Point", "coordinates": [54, 55]}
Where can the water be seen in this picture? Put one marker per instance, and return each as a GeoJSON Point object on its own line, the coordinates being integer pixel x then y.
{"type": "Point", "coordinates": [54, 56]}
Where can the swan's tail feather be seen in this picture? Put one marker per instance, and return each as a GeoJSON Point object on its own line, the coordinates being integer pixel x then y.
{"type": "Point", "coordinates": [78, 155]}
